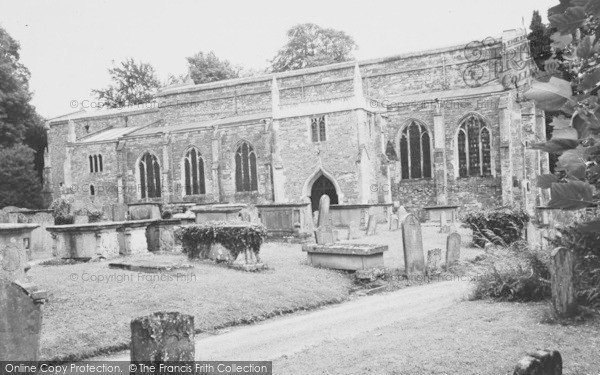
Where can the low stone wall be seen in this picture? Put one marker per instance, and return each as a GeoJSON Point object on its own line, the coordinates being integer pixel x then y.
{"type": "Point", "coordinates": [145, 211]}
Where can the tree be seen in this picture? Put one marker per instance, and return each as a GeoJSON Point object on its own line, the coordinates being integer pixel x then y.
{"type": "Point", "coordinates": [311, 45]}
{"type": "Point", "coordinates": [576, 52]}
{"type": "Point", "coordinates": [19, 185]}
{"type": "Point", "coordinates": [539, 40]}
{"type": "Point", "coordinates": [207, 67]}
{"type": "Point", "coordinates": [16, 113]}
{"type": "Point", "coordinates": [133, 83]}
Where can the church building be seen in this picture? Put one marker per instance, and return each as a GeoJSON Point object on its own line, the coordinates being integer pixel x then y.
{"type": "Point", "coordinates": [448, 126]}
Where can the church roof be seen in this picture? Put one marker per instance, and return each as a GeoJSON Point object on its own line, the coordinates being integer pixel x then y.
{"type": "Point", "coordinates": [253, 117]}
{"type": "Point", "coordinates": [108, 135]}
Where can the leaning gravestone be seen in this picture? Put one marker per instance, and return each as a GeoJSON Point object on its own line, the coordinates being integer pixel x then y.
{"type": "Point", "coordinates": [452, 248]}
{"type": "Point", "coordinates": [162, 337]}
{"type": "Point", "coordinates": [563, 289]}
{"type": "Point", "coordinates": [412, 241]}
{"type": "Point", "coordinates": [20, 321]}
{"type": "Point", "coordinates": [372, 225]}
{"type": "Point", "coordinates": [324, 203]}
{"type": "Point", "coordinates": [434, 261]}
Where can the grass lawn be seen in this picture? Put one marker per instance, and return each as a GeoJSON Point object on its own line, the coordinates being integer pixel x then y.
{"type": "Point", "coordinates": [84, 317]}
{"type": "Point", "coordinates": [470, 338]}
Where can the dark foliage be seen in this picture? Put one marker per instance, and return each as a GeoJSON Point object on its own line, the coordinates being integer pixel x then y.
{"type": "Point", "coordinates": [19, 183]}
{"type": "Point", "coordinates": [197, 239]}
{"type": "Point", "coordinates": [500, 226]}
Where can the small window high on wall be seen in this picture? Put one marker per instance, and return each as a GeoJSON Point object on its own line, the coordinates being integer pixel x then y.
{"type": "Point", "coordinates": [193, 170]}
{"type": "Point", "coordinates": [96, 164]}
{"type": "Point", "coordinates": [474, 148]}
{"type": "Point", "coordinates": [415, 152]}
{"type": "Point", "coordinates": [317, 129]}
{"type": "Point", "coordinates": [149, 175]}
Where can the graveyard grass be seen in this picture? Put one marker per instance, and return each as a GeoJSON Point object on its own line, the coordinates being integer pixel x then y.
{"type": "Point", "coordinates": [86, 318]}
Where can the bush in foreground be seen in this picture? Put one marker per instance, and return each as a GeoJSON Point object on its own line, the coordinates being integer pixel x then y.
{"type": "Point", "coordinates": [514, 274]}
{"type": "Point", "coordinates": [500, 226]}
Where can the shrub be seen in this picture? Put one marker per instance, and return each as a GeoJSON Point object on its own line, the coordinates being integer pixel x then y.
{"type": "Point", "coordinates": [516, 274]}
{"type": "Point", "coordinates": [500, 226]}
{"type": "Point", "coordinates": [19, 183]}
{"type": "Point", "coordinates": [61, 211]}
{"type": "Point", "coordinates": [236, 238]}
{"type": "Point", "coordinates": [586, 246]}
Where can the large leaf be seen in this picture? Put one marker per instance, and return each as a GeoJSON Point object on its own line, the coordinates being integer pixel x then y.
{"type": "Point", "coordinates": [573, 195]}
{"type": "Point", "coordinates": [545, 181]}
{"type": "Point", "coordinates": [560, 41]}
{"type": "Point", "coordinates": [569, 21]}
{"type": "Point", "coordinates": [590, 80]}
{"type": "Point", "coordinates": [573, 163]}
{"type": "Point", "coordinates": [561, 8]}
{"type": "Point", "coordinates": [590, 6]}
{"type": "Point", "coordinates": [551, 95]}
{"type": "Point", "coordinates": [591, 226]}
{"type": "Point", "coordinates": [587, 125]}
{"type": "Point", "coordinates": [586, 47]}
{"type": "Point", "coordinates": [555, 145]}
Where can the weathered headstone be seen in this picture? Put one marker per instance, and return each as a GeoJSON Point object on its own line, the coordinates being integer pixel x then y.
{"type": "Point", "coordinates": [162, 337]}
{"type": "Point", "coordinates": [315, 218]}
{"type": "Point", "coordinates": [394, 222]}
{"type": "Point", "coordinates": [453, 248]}
{"type": "Point", "coordinates": [372, 225]}
{"type": "Point", "coordinates": [434, 261]}
{"type": "Point", "coordinates": [541, 362]}
{"type": "Point", "coordinates": [353, 230]}
{"type": "Point", "coordinates": [412, 241]}
{"type": "Point", "coordinates": [20, 321]}
{"type": "Point", "coordinates": [324, 203]}
{"type": "Point", "coordinates": [563, 289]}
{"type": "Point", "coordinates": [402, 213]}
{"type": "Point", "coordinates": [324, 233]}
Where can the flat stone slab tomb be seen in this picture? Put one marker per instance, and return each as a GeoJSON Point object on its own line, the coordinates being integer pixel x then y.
{"type": "Point", "coordinates": [150, 265]}
{"type": "Point", "coordinates": [342, 256]}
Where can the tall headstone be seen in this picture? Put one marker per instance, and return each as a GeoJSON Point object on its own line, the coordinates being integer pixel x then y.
{"type": "Point", "coordinates": [353, 230]}
{"type": "Point", "coordinates": [20, 321]}
{"type": "Point", "coordinates": [372, 225]}
{"type": "Point", "coordinates": [162, 337]}
{"type": "Point", "coordinates": [434, 261]}
{"type": "Point", "coordinates": [324, 203]}
{"type": "Point", "coordinates": [453, 248]}
{"type": "Point", "coordinates": [412, 241]}
{"type": "Point", "coordinates": [324, 233]}
{"type": "Point", "coordinates": [563, 289]}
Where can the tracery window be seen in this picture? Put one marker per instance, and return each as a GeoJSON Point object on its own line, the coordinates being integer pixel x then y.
{"type": "Point", "coordinates": [317, 129]}
{"type": "Point", "coordinates": [245, 168]}
{"type": "Point", "coordinates": [149, 174]}
{"type": "Point", "coordinates": [474, 148]}
{"type": "Point", "coordinates": [415, 152]}
{"type": "Point", "coordinates": [193, 170]}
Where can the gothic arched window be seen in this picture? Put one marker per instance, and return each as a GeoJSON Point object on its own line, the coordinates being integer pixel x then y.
{"type": "Point", "coordinates": [193, 170]}
{"type": "Point", "coordinates": [245, 168]}
{"type": "Point", "coordinates": [149, 176]}
{"type": "Point", "coordinates": [474, 148]}
{"type": "Point", "coordinates": [415, 152]}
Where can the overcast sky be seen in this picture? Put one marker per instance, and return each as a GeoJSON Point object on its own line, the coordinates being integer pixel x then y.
{"type": "Point", "coordinates": [68, 45]}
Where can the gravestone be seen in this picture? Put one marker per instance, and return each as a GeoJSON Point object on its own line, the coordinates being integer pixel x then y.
{"type": "Point", "coordinates": [20, 321]}
{"type": "Point", "coordinates": [315, 218]}
{"type": "Point", "coordinates": [563, 289]}
{"type": "Point", "coordinates": [541, 362]}
{"type": "Point", "coordinates": [372, 225]}
{"type": "Point", "coordinates": [453, 248]}
{"type": "Point", "coordinates": [394, 222]}
{"type": "Point", "coordinates": [324, 233]}
{"type": "Point", "coordinates": [162, 337]}
{"type": "Point", "coordinates": [402, 213]}
{"type": "Point", "coordinates": [412, 241]}
{"type": "Point", "coordinates": [434, 261]}
{"type": "Point", "coordinates": [324, 218]}
{"type": "Point", "coordinates": [353, 230]}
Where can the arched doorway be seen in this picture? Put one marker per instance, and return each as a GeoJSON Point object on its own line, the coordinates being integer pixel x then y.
{"type": "Point", "coordinates": [322, 186]}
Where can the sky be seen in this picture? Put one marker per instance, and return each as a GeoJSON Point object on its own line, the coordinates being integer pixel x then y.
{"type": "Point", "coordinates": [69, 45]}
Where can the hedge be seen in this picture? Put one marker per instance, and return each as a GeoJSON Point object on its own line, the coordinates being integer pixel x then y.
{"type": "Point", "coordinates": [237, 238]}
